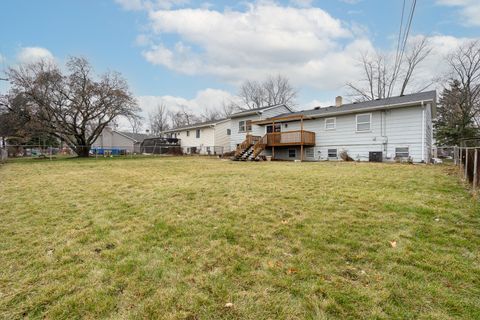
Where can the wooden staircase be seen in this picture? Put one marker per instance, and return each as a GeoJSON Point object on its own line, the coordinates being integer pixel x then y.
{"type": "Point", "coordinates": [250, 148]}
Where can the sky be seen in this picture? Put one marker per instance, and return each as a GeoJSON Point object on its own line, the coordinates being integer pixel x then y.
{"type": "Point", "coordinates": [197, 53]}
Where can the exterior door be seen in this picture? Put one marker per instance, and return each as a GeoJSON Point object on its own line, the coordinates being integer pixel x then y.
{"type": "Point", "coordinates": [277, 128]}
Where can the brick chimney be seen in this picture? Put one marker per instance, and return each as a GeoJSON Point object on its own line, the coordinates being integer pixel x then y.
{"type": "Point", "coordinates": [338, 101]}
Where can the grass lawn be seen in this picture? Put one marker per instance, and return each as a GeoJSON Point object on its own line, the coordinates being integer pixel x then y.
{"type": "Point", "coordinates": [179, 238]}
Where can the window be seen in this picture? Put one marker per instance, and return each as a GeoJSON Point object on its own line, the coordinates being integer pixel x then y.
{"type": "Point", "coordinates": [332, 153]}
{"type": "Point", "coordinates": [401, 152]}
{"type": "Point", "coordinates": [249, 125]}
{"type": "Point", "coordinates": [309, 153]}
{"type": "Point", "coordinates": [241, 126]}
{"type": "Point", "coordinates": [292, 153]}
{"type": "Point", "coordinates": [229, 132]}
{"type": "Point", "coordinates": [245, 126]}
{"type": "Point", "coordinates": [198, 133]}
{"type": "Point", "coordinates": [363, 122]}
{"type": "Point", "coordinates": [330, 123]}
{"type": "Point", "coordinates": [188, 133]}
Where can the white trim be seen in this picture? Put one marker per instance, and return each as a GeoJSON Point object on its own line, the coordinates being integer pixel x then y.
{"type": "Point", "coordinates": [334, 123]}
{"type": "Point", "coordinates": [369, 122]}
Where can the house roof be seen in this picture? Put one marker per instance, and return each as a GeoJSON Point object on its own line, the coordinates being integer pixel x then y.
{"type": "Point", "coordinates": [137, 137]}
{"type": "Point", "coordinates": [197, 125]}
{"type": "Point", "coordinates": [257, 110]}
{"type": "Point", "coordinates": [392, 102]}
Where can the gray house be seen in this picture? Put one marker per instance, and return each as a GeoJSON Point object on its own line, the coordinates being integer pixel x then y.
{"type": "Point", "coordinates": [379, 130]}
{"type": "Point", "coordinates": [113, 139]}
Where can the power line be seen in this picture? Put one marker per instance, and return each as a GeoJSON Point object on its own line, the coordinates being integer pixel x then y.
{"type": "Point", "coordinates": [400, 31]}
{"type": "Point", "coordinates": [398, 62]}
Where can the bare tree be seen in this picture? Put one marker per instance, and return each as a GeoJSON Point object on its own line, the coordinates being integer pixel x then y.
{"type": "Point", "coordinates": [252, 95]}
{"type": "Point", "coordinates": [465, 66]}
{"type": "Point", "coordinates": [382, 79]}
{"type": "Point", "coordinates": [159, 119]}
{"type": "Point", "coordinates": [74, 107]}
{"type": "Point", "coordinates": [136, 124]}
{"type": "Point", "coordinates": [274, 90]}
{"type": "Point", "coordinates": [278, 90]}
{"type": "Point", "coordinates": [228, 108]}
{"type": "Point", "coordinates": [211, 114]}
{"type": "Point", "coordinates": [182, 117]}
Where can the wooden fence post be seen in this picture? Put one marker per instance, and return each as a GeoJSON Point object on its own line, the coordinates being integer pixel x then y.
{"type": "Point", "coordinates": [475, 158]}
{"type": "Point", "coordinates": [466, 163]}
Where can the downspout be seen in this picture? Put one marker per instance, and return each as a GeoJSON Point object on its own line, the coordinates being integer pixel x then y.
{"type": "Point", "coordinates": [423, 132]}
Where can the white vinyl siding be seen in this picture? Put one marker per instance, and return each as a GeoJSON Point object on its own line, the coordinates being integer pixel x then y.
{"type": "Point", "coordinates": [222, 136]}
{"type": "Point", "coordinates": [400, 127]}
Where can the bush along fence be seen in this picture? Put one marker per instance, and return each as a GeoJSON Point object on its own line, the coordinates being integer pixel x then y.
{"type": "Point", "coordinates": [468, 161]}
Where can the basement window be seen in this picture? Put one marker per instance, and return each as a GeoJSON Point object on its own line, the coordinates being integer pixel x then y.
{"type": "Point", "coordinates": [401, 152]}
{"type": "Point", "coordinates": [292, 153]}
{"type": "Point", "coordinates": [364, 122]}
{"type": "Point", "coordinates": [332, 153]}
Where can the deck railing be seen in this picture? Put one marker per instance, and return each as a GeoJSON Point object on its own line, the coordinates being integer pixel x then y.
{"type": "Point", "coordinates": [249, 141]}
{"type": "Point", "coordinates": [291, 138]}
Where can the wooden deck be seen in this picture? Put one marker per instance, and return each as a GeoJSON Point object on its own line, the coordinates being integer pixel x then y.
{"type": "Point", "coordinates": [291, 138]}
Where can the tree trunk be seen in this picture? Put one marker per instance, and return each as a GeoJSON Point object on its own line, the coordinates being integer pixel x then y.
{"type": "Point", "coordinates": [82, 151]}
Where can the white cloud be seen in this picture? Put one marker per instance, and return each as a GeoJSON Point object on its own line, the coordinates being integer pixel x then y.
{"type": "Point", "coordinates": [207, 98]}
{"type": "Point", "coordinates": [33, 54]}
{"type": "Point", "coordinates": [306, 44]}
{"type": "Point", "coordinates": [469, 10]}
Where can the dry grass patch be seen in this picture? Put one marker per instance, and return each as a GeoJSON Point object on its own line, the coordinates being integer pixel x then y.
{"type": "Point", "coordinates": [179, 238]}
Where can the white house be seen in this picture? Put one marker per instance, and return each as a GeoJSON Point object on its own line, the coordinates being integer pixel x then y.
{"type": "Point", "coordinates": [379, 130]}
{"type": "Point", "coordinates": [119, 140]}
{"type": "Point", "coordinates": [241, 123]}
{"type": "Point", "coordinates": [211, 137]}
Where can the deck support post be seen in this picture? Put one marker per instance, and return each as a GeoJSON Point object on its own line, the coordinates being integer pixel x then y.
{"type": "Point", "coordinates": [273, 147]}
{"type": "Point", "coordinates": [301, 138]}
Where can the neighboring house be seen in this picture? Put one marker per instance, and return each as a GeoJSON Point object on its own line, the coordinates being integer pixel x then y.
{"type": "Point", "coordinates": [386, 129]}
{"type": "Point", "coordinates": [119, 140]}
{"type": "Point", "coordinates": [210, 137]}
{"type": "Point", "coordinates": [241, 123]}
{"type": "Point", "coordinates": [221, 136]}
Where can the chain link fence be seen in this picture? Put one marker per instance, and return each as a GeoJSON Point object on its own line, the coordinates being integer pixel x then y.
{"type": "Point", "coordinates": [17, 152]}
